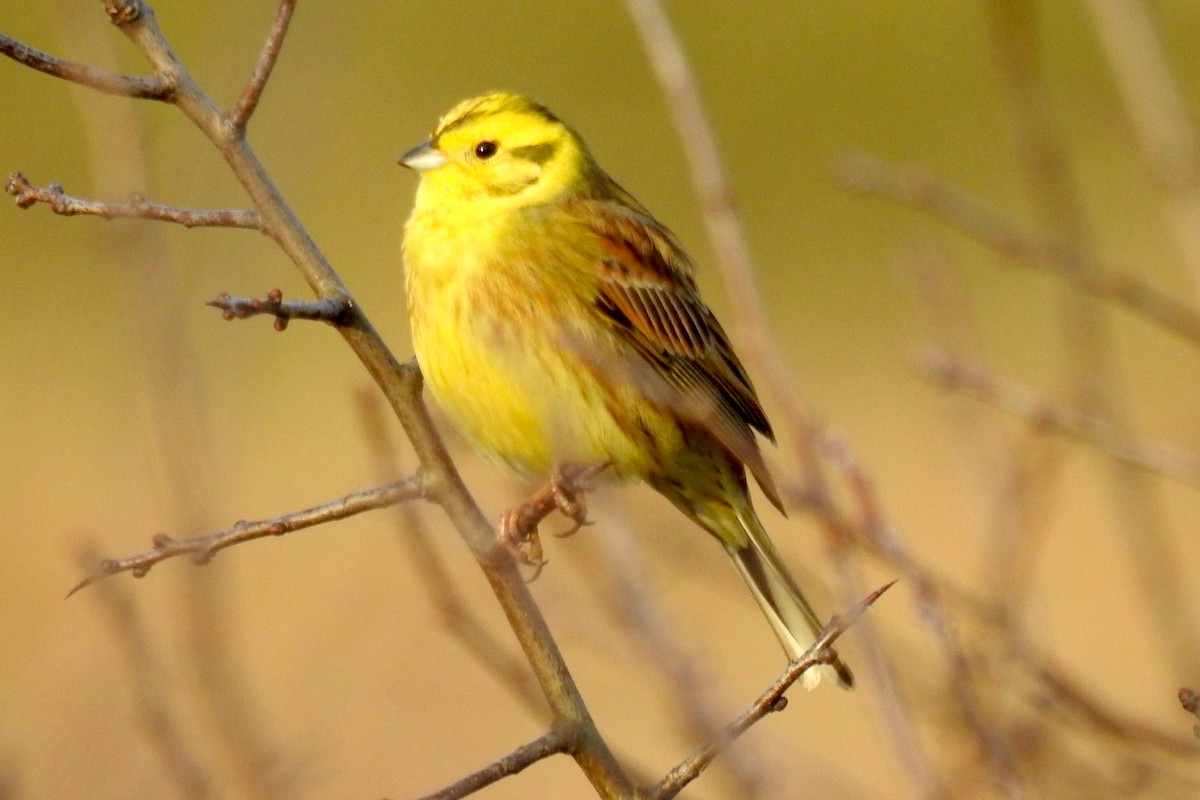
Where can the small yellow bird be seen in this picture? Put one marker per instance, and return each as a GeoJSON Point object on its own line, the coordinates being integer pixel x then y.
{"type": "Point", "coordinates": [558, 323]}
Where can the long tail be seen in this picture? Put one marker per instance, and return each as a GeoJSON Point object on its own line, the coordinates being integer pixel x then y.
{"type": "Point", "coordinates": [790, 615]}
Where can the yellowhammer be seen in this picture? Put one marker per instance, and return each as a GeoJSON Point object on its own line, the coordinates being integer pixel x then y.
{"type": "Point", "coordinates": [558, 323]}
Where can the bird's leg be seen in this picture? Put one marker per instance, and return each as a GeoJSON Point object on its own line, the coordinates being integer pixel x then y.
{"type": "Point", "coordinates": [566, 492]}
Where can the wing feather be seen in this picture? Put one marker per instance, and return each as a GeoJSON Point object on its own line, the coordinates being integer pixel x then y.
{"type": "Point", "coordinates": [648, 295]}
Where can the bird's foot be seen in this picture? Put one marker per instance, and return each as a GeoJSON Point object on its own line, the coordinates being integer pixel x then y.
{"type": "Point", "coordinates": [566, 493]}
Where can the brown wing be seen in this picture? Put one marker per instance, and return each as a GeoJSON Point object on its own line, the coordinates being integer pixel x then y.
{"type": "Point", "coordinates": [648, 294]}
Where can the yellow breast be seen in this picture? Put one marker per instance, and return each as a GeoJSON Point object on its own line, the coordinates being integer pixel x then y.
{"type": "Point", "coordinates": [507, 352]}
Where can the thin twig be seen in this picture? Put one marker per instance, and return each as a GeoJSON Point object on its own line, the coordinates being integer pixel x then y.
{"type": "Point", "coordinates": [1046, 414]}
{"type": "Point", "coordinates": [807, 486]}
{"type": "Point", "coordinates": [145, 87]}
{"type": "Point", "coordinates": [27, 195]}
{"type": "Point", "coordinates": [203, 548]}
{"type": "Point", "coordinates": [552, 742]}
{"type": "Point", "coordinates": [252, 93]}
{"type": "Point", "coordinates": [922, 190]}
{"type": "Point", "coordinates": [771, 700]}
{"type": "Point", "coordinates": [885, 545]}
{"type": "Point", "coordinates": [333, 310]}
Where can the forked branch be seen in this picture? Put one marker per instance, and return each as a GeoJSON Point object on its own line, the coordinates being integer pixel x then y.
{"type": "Point", "coordinates": [400, 383]}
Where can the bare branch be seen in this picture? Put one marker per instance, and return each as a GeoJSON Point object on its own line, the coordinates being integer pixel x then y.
{"type": "Point", "coordinates": [27, 195]}
{"type": "Point", "coordinates": [144, 87]}
{"type": "Point", "coordinates": [334, 310]}
{"type": "Point", "coordinates": [924, 191]}
{"type": "Point", "coordinates": [248, 102]}
{"type": "Point", "coordinates": [401, 384]}
{"type": "Point", "coordinates": [552, 742]}
{"type": "Point", "coordinates": [806, 486]}
{"type": "Point", "coordinates": [203, 548]}
{"type": "Point", "coordinates": [1090, 356]}
{"type": "Point", "coordinates": [771, 700]}
{"type": "Point", "coordinates": [1041, 412]}
{"type": "Point", "coordinates": [939, 594]}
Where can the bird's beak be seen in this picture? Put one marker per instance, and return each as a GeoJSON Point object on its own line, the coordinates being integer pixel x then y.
{"type": "Point", "coordinates": [423, 157]}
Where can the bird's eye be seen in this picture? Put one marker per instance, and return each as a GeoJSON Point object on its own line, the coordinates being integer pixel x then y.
{"type": "Point", "coordinates": [486, 149]}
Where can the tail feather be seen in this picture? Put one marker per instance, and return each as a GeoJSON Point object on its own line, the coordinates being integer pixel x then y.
{"type": "Point", "coordinates": [792, 618]}
{"type": "Point", "coordinates": [723, 509]}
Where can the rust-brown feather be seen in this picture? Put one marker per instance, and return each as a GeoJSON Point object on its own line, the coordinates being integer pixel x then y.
{"type": "Point", "coordinates": [648, 295]}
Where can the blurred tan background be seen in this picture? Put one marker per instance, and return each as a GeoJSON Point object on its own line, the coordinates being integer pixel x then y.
{"type": "Point", "coordinates": [319, 659]}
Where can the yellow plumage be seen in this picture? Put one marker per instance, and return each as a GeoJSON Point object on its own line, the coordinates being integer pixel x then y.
{"type": "Point", "coordinates": [558, 323]}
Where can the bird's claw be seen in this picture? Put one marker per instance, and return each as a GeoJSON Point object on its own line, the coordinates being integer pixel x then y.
{"type": "Point", "coordinates": [566, 492]}
{"type": "Point", "coordinates": [519, 536]}
{"type": "Point", "coordinates": [568, 487]}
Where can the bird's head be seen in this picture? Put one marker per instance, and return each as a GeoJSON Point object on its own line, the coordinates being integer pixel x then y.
{"type": "Point", "coordinates": [500, 147]}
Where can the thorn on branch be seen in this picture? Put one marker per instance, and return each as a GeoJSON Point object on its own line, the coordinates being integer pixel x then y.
{"type": "Point", "coordinates": [52, 195]}
{"type": "Point", "coordinates": [333, 310]}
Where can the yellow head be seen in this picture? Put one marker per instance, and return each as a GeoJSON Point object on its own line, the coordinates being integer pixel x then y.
{"type": "Point", "coordinates": [500, 149]}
